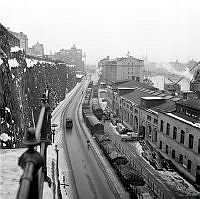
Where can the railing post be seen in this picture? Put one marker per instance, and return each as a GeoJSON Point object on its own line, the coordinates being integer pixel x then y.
{"type": "Point", "coordinates": [30, 161]}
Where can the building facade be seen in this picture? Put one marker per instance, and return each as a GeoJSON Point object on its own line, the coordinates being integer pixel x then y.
{"type": "Point", "coordinates": [22, 38]}
{"type": "Point", "coordinates": [121, 69]}
{"type": "Point", "coordinates": [6, 35]}
{"type": "Point", "coordinates": [71, 56]}
{"type": "Point", "coordinates": [170, 124]}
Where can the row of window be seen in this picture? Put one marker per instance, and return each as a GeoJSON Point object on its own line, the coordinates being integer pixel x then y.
{"type": "Point", "coordinates": [155, 121]}
{"type": "Point", "coordinates": [182, 137]}
{"type": "Point", "coordinates": [189, 165]}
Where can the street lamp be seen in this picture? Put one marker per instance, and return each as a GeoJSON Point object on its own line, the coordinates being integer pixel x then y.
{"type": "Point", "coordinates": [53, 131]}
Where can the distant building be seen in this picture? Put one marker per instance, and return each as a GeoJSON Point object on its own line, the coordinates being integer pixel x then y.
{"type": "Point", "coordinates": [121, 69]}
{"type": "Point", "coordinates": [71, 56]}
{"type": "Point", "coordinates": [36, 50]}
{"type": "Point", "coordinates": [22, 38]}
{"type": "Point", "coordinates": [13, 41]}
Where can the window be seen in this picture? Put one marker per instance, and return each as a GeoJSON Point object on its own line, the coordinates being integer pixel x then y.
{"type": "Point", "coordinates": [173, 153]}
{"type": "Point", "coordinates": [174, 133]}
{"type": "Point", "coordinates": [136, 111]}
{"type": "Point", "coordinates": [168, 129]}
{"type": "Point", "coordinates": [161, 125]}
{"type": "Point", "coordinates": [191, 139]}
{"type": "Point", "coordinates": [189, 165]}
{"type": "Point", "coordinates": [155, 121]}
{"type": "Point", "coordinates": [166, 149]}
{"type": "Point", "coordinates": [148, 117]}
{"type": "Point", "coordinates": [182, 137]}
{"type": "Point", "coordinates": [181, 159]}
{"type": "Point", "coordinates": [160, 145]}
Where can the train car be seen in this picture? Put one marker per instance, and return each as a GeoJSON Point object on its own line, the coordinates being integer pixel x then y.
{"type": "Point", "coordinates": [94, 125]}
{"type": "Point", "coordinates": [86, 112]}
{"type": "Point", "coordinates": [86, 104]}
{"type": "Point", "coordinates": [98, 112]}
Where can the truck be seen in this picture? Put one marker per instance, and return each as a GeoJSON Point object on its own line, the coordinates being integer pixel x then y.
{"type": "Point", "coordinates": [130, 136]}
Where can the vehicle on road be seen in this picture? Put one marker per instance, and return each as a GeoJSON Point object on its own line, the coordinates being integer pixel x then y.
{"type": "Point", "coordinates": [69, 123]}
{"type": "Point", "coordinates": [157, 164]}
{"type": "Point", "coordinates": [168, 165]}
{"type": "Point", "coordinates": [148, 155]}
{"type": "Point", "coordinates": [130, 136]}
{"type": "Point", "coordinates": [157, 155]}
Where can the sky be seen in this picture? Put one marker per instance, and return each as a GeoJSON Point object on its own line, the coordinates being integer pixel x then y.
{"type": "Point", "coordinates": [164, 30]}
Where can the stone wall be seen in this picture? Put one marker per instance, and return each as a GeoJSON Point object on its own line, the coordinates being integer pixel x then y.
{"type": "Point", "coordinates": [22, 82]}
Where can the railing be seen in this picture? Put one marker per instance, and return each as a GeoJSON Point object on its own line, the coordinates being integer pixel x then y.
{"type": "Point", "coordinates": [32, 162]}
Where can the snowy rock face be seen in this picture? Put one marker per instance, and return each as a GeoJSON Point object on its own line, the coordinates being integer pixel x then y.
{"type": "Point", "coordinates": [23, 79]}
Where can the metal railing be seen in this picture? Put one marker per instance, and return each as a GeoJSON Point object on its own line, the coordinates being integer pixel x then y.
{"type": "Point", "coordinates": [32, 162]}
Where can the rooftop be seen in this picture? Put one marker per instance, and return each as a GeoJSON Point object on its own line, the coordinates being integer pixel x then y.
{"type": "Point", "coordinates": [191, 103]}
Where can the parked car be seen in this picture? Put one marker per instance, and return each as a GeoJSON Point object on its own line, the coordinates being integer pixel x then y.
{"type": "Point", "coordinates": [157, 164]}
{"type": "Point", "coordinates": [149, 145]}
{"type": "Point", "coordinates": [147, 155]}
{"type": "Point", "coordinates": [168, 165]}
{"type": "Point", "coordinates": [157, 155]}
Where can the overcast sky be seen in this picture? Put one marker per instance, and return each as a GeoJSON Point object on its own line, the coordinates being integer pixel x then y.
{"type": "Point", "coordinates": [165, 30]}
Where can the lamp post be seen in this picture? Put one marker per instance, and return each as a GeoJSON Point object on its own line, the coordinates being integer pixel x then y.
{"type": "Point", "coordinates": [53, 131]}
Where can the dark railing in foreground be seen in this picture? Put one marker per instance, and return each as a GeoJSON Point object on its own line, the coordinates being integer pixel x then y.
{"type": "Point", "coordinates": [32, 162]}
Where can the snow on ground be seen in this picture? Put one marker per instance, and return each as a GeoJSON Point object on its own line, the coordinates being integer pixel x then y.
{"type": "Point", "coordinates": [31, 62]}
{"type": "Point", "coordinates": [10, 172]}
{"type": "Point", "coordinates": [13, 63]}
{"type": "Point", "coordinates": [15, 49]}
{"type": "Point", "coordinates": [1, 61]}
{"type": "Point", "coordinates": [172, 179]}
{"type": "Point", "coordinates": [177, 183]}
{"type": "Point", "coordinates": [139, 148]}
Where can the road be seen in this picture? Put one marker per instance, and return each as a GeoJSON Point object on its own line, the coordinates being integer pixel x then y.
{"type": "Point", "coordinates": [89, 179]}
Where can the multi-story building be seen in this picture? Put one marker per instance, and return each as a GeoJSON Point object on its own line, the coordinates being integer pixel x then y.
{"type": "Point", "coordinates": [179, 137]}
{"type": "Point", "coordinates": [171, 124]}
{"type": "Point", "coordinates": [71, 56]}
{"type": "Point", "coordinates": [121, 69]}
{"type": "Point", "coordinates": [36, 50]}
{"type": "Point", "coordinates": [13, 41]}
{"type": "Point", "coordinates": [22, 38]}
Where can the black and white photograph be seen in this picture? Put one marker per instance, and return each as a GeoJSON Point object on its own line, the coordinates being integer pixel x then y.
{"type": "Point", "coordinates": [100, 99]}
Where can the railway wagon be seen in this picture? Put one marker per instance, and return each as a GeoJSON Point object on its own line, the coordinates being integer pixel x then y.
{"type": "Point", "coordinates": [86, 104]}
{"type": "Point", "coordinates": [98, 112]}
{"type": "Point", "coordinates": [86, 112]}
{"type": "Point", "coordinates": [94, 125]}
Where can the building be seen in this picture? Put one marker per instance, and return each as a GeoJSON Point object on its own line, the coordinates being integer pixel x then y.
{"type": "Point", "coordinates": [7, 36]}
{"type": "Point", "coordinates": [169, 123]}
{"type": "Point", "coordinates": [179, 137]}
{"type": "Point", "coordinates": [22, 38]}
{"type": "Point", "coordinates": [121, 69]}
{"type": "Point", "coordinates": [71, 56]}
{"type": "Point", "coordinates": [36, 50]}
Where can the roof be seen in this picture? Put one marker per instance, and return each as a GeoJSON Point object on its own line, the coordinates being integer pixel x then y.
{"type": "Point", "coordinates": [133, 84]}
{"type": "Point", "coordinates": [152, 98]}
{"type": "Point", "coordinates": [191, 103]}
{"type": "Point", "coordinates": [137, 95]}
{"type": "Point", "coordinates": [185, 118]}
